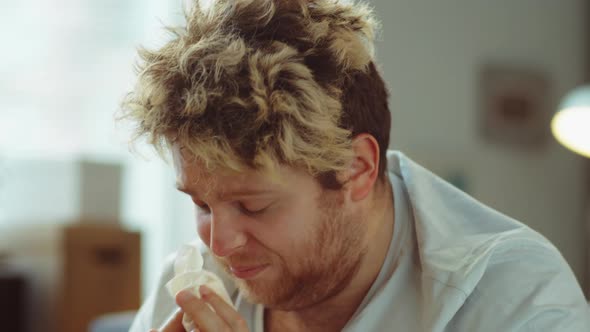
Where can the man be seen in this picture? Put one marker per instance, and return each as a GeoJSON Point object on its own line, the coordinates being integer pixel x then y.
{"type": "Point", "coordinates": [277, 122]}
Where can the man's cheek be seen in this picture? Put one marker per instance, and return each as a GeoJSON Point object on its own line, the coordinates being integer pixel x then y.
{"type": "Point", "coordinates": [204, 230]}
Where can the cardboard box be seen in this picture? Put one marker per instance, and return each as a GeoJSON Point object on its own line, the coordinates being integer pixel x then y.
{"type": "Point", "coordinates": [101, 274]}
{"type": "Point", "coordinates": [74, 272]}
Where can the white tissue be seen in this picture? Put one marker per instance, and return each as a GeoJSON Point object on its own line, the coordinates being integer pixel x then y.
{"type": "Point", "coordinates": [189, 274]}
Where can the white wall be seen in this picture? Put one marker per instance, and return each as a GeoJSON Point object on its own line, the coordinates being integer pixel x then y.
{"type": "Point", "coordinates": [430, 52]}
{"type": "Point", "coordinates": [69, 66]}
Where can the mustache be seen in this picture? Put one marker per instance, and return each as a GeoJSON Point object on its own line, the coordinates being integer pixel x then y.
{"type": "Point", "coordinates": [242, 259]}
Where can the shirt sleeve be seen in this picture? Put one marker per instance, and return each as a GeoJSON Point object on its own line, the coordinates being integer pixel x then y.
{"type": "Point", "coordinates": [159, 305]}
{"type": "Point", "coordinates": [525, 288]}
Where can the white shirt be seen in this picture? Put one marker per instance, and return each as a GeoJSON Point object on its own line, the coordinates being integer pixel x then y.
{"type": "Point", "coordinates": [453, 264]}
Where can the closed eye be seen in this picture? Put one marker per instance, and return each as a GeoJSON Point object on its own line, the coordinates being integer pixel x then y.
{"type": "Point", "coordinates": [252, 211]}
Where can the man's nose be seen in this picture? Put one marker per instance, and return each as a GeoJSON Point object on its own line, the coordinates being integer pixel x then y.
{"type": "Point", "coordinates": [226, 234]}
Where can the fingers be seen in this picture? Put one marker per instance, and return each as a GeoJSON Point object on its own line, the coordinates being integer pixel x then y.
{"type": "Point", "coordinates": [204, 318]}
{"type": "Point", "coordinates": [225, 311]}
{"type": "Point", "coordinates": [209, 314]}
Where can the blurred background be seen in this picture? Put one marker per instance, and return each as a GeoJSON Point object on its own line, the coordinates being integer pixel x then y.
{"type": "Point", "coordinates": [473, 88]}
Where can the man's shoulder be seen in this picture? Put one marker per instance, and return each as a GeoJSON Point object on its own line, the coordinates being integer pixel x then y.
{"type": "Point", "coordinates": [521, 259]}
{"type": "Point", "coordinates": [526, 284]}
{"type": "Point", "coordinates": [475, 259]}
{"type": "Point", "coordinates": [159, 305]}
{"type": "Point", "coordinates": [457, 236]}
{"type": "Point", "coordinates": [515, 281]}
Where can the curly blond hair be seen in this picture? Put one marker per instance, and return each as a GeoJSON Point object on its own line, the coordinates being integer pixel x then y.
{"type": "Point", "coordinates": [258, 83]}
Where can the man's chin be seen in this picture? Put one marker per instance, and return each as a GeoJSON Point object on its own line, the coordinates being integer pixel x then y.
{"type": "Point", "coordinates": [253, 291]}
{"type": "Point", "coordinates": [260, 290]}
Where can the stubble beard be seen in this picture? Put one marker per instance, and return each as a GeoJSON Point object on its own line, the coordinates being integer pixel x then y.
{"type": "Point", "coordinates": [323, 266]}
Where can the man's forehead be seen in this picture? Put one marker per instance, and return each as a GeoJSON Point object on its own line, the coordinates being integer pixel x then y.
{"type": "Point", "coordinates": [196, 176]}
{"type": "Point", "coordinates": [192, 173]}
{"type": "Point", "coordinates": [196, 180]}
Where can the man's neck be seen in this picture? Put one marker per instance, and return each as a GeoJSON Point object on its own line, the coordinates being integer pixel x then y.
{"type": "Point", "coordinates": [334, 313]}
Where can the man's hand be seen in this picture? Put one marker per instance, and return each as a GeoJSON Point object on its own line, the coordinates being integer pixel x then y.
{"type": "Point", "coordinates": [223, 318]}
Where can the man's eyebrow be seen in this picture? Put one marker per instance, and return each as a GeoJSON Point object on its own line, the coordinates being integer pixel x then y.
{"type": "Point", "coordinates": [224, 196]}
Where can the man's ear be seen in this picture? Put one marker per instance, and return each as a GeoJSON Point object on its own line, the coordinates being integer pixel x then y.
{"type": "Point", "coordinates": [364, 169]}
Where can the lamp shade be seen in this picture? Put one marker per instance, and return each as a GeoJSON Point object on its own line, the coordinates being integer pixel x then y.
{"type": "Point", "coordinates": [571, 123]}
